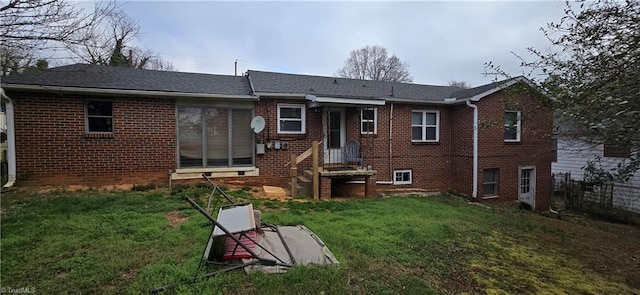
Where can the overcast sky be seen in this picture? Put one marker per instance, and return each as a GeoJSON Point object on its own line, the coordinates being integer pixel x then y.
{"type": "Point", "coordinates": [441, 41]}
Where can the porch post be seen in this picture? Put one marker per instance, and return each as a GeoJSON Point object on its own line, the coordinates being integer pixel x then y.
{"type": "Point", "coordinates": [316, 179]}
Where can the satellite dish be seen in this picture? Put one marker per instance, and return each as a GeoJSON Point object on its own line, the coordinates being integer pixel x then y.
{"type": "Point", "coordinates": [257, 124]}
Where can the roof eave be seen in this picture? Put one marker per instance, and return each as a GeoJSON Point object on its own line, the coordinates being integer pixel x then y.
{"type": "Point", "coordinates": [343, 100]}
{"type": "Point", "coordinates": [445, 101]}
{"type": "Point", "coordinates": [280, 94]}
{"type": "Point", "coordinates": [107, 91]}
{"type": "Point", "coordinates": [502, 86]}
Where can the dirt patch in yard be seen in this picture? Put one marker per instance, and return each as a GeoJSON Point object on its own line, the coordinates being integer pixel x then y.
{"type": "Point", "coordinates": [608, 249]}
{"type": "Point", "coordinates": [175, 219]}
{"type": "Point", "coordinates": [75, 188]}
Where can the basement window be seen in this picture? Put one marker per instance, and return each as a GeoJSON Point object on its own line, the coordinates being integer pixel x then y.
{"type": "Point", "coordinates": [99, 116]}
{"type": "Point", "coordinates": [402, 176]}
{"type": "Point", "coordinates": [490, 182]}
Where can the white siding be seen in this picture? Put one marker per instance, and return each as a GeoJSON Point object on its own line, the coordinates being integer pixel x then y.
{"type": "Point", "coordinates": [627, 197]}
{"type": "Point", "coordinates": [573, 155]}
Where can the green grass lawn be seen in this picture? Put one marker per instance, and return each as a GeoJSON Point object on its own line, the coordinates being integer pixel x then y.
{"type": "Point", "coordinates": [132, 242]}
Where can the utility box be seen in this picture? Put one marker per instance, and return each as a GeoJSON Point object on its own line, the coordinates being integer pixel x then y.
{"type": "Point", "coordinates": [260, 149]}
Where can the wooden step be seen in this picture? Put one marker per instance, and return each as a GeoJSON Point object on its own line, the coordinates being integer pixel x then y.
{"type": "Point", "coordinates": [303, 179]}
{"type": "Point", "coordinates": [274, 192]}
{"type": "Point", "coordinates": [300, 188]}
{"type": "Point", "coordinates": [304, 185]}
{"type": "Point", "coordinates": [308, 174]}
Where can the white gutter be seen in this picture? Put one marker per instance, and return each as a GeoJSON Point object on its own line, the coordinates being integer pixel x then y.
{"type": "Point", "coordinates": [342, 100]}
{"type": "Point", "coordinates": [446, 101]}
{"type": "Point", "coordinates": [475, 148]}
{"type": "Point", "coordinates": [278, 94]}
{"type": "Point", "coordinates": [125, 92]}
{"type": "Point", "coordinates": [11, 140]}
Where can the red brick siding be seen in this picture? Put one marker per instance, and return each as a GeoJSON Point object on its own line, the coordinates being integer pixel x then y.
{"type": "Point", "coordinates": [52, 147]}
{"type": "Point", "coordinates": [461, 149]}
{"type": "Point", "coordinates": [429, 162]}
{"type": "Point", "coordinates": [442, 166]}
{"type": "Point", "coordinates": [272, 163]}
{"type": "Point", "coordinates": [534, 148]}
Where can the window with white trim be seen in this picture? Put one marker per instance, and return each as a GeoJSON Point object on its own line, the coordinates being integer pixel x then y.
{"type": "Point", "coordinates": [402, 176]}
{"type": "Point", "coordinates": [369, 121]}
{"type": "Point", "coordinates": [425, 126]}
{"type": "Point", "coordinates": [490, 182]}
{"type": "Point", "coordinates": [99, 116]}
{"type": "Point", "coordinates": [512, 122]}
{"type": "Point", "coordinates": [291, 118]}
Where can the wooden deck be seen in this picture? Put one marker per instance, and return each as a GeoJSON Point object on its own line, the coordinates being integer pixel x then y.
{"type": "Point", "coordinates": [346, 172]}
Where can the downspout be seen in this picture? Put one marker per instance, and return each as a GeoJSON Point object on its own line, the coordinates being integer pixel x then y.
{"type": "Point", "coordinates": [11, 141]}
{"type": "Point", "coordinates": [391, 144]}
{"type": "Point", "coordinates": [475, 149]}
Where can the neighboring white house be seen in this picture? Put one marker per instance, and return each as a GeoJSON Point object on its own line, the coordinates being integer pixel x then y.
{"type": "Point", "coordinates": [573, 155]}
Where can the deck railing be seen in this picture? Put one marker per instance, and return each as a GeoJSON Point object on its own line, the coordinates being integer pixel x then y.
{"type": "Point", "coordinates": [342, 159]}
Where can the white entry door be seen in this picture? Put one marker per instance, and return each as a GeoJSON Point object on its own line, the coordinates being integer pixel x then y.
{"type": "Point", "coordinates": [334, 135]}
{"type": "Point", "coordinates": [527, 186]}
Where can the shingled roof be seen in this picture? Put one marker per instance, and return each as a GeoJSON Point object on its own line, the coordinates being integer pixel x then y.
{"type": "Point", "coordinates": [121, 78]}
{"type": "Point", "coordinates": [93, 77]}
{"type": "Point", "coordinates": [269, 82]}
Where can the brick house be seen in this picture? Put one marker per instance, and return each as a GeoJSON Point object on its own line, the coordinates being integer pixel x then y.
{"type": "Point", "coordinates": [84, 124]}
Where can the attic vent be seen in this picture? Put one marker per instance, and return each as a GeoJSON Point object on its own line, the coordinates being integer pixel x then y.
{"type": "Point", "coordinates": [311, 89]}
{"type": "Point", "coordinates": [364, 85]}
{"type": "Point", "coordinates": [335, 81]}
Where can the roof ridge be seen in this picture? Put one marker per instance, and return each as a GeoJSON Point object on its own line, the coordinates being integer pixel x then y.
{"type": "Point", "coordinates": [86, 65]}
{"type": "Point", "coordinates": [351, 79]}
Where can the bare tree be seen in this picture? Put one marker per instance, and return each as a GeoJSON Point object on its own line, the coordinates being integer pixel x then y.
{"type": "Point", "coordinates": [109, 44]}
{"type": "Point", "coordinates": [30, 27]}
{"type": "Point", "coordinates": [39, 24]}
{"type": "Point", "coordinates": [461, 84]}
{"type": "Point", "coordinates": [13, 60]}
{"type": "Point", "coordinates": [374, 63]}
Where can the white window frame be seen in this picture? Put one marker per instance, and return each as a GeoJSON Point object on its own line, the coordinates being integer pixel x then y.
{"type": "Point", "coordinates": [424, 126]}
{"type": "Point", "coordinates": [396, 172]}
{"type": "Point", "coordinates": [374, 121]}
{"type": "Point", "coordinates": [87, 116]}
{"type": "Point", "coordinates": [518, 125]}
{"type": "Point", "coordinates": [302, 119]}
